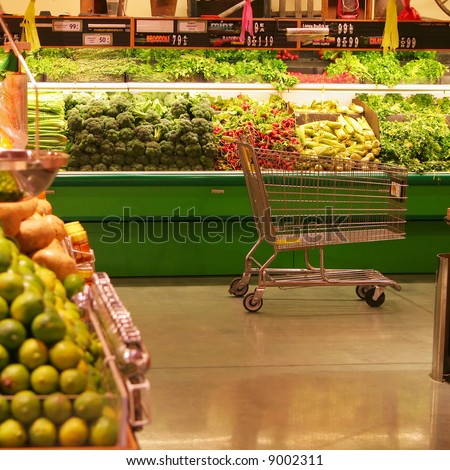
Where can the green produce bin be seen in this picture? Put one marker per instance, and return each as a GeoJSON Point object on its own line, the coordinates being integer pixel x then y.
{"type": "Point", "coordinates": [200, 223]}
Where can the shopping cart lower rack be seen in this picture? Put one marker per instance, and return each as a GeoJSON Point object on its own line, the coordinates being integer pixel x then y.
{"type": "Point", "coordinates": [301, 202]}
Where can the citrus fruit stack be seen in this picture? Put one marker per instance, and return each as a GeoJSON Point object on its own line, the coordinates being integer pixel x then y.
{"type": "Point", "coordinates": [51, 390]}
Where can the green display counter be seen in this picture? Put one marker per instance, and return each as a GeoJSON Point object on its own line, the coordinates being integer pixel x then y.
{"type": "Point", "coordinates": [180, 224]}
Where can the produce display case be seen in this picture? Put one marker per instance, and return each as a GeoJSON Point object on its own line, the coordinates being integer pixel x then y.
{"type": "Point", "coordinates": [192, 223]}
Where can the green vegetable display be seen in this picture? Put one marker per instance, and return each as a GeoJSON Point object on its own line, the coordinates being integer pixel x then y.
{"type": "Point", "coordinates": [419, 138]}
{"type": "Point", "coordinates": [145, 132]}
{"type": "Point", "coordinates": [386, 69]}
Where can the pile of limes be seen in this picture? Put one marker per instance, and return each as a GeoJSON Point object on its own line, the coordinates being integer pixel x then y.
{"type": "Point", "coordinates": [51, 389]}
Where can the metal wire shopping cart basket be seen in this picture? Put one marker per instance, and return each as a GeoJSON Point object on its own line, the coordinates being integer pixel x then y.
{"type": "Point", "coordinates": [300, 202]}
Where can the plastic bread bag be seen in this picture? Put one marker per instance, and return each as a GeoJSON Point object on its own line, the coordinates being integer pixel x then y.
{"type": "Point", "coordinates": [14, 111]}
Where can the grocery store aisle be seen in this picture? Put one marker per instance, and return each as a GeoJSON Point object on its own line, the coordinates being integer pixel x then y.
{"type": "Point", "coordinates": [316, 368]}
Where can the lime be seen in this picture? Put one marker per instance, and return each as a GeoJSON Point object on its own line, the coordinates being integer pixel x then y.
{"type": "Point", "coordinates": [26, 306]}
{"type": "Point", "coordinates": [88, 405]}
{"type": "Point", "coordinates": [57, 407]}
{"type": "Point", "coordinates": [49, 298]}
{"type": "Point", "coordinates": [12, 333]}
{"type": "Point", "coordinates": [42, 433]}
{"type": "Point", "coordinates": [73, 432]}
{"type": "Point", "coordinates": [4, 409]}
{"type": "Point", "coordinates": [103, 432]}
{"type": "Point", "coordinates": [12, 434]}
{"type": "Point", "coordinates": [47, 276]}
{"type": "Point", "coordinates": [13, 378]}
{"type": "Point", "coordinates": [4, 357]}
{"type": "Point", "coordinates": [44, 379]}
{"type": "Point", "coordinates": [25, 406]}
{"type": "Point", "coordinates": [5, 254]}
{"type": "Point", "coordinates": [25, 262]}
{"type": "Point", "coordinates": [59, 290]}
{"type": "Point", "coordinates": [33, 353]}
{"type": "Point", "coordinates": [4, 308]}
{"type": "Point", "coordinates": [73, 283]}
{"type": "Point", "coordinates": [65, 354]}
{"type": "Point", "coordinates": [48, 327]}
{"type": "Point", "coordinates": [11, 285]}
{"type": "Point", "coordinates": [72, 381]}
{"type": "Point", "coordinates": [33, 281]}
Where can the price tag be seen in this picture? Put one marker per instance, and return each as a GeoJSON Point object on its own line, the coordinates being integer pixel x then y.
{"type": "Point", "coordinates": [67, 26]}
{"type": "Point", "coordinates": [97, 39]}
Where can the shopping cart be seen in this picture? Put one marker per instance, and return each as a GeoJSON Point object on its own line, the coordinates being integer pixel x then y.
{"type": "Point", "coordinates": [301, 202]}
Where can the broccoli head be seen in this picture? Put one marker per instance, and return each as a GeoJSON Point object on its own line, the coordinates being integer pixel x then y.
{"type": "Point", "coordinates": [96, 108]}
{"type": "Point", "coordinates": [189, 138]}
{"type": "Point", "coordinates": [107, 160]}
{"type": "Point", "coordinates": [115, 167]}
{"type": "Point", "coordinates": [173, 136]}
{"type": "Point", "coordinates": [193, 150]}
{"type": "Point", "coordinates": [183, 125]}
{"type": "Point", "coordinates": [94, 125]}
{"type": "Point", "coordinates": [100, 167]}
{"type": "Point", "coordinates": [110, 123]}
{"type": "Point", "coordinates": [118, 159]}
{"type": "Point", "coordinates": [95, 158]}
{"type": "Point", "coordinates": [167, 148]}
{"type": "Point", "coordinates": [126, 134]}
{"type": "Point", "coordinates": [86, 168]}
{"type": "Point", "coordinates": [74, 121]}
{"type": "Point", "coordinates": [180, 150]}
{"type": "Point", "coordinates": [126, 120]}
{"type": "Point", "coordinates": [137, 167]}
{"type": "Point", "coordinates": [112, 135]}
{"type": "Point", "coordinates": [180, 107]}
{"type": "Point", "coordinates": [202, 126]}
{"type": "Point", "coordinates": [120, 148]}
{"type": "Point", "coordinates": [107, 147]}
{"type": "Point", "coordinates": [202, 110]}
{"type": "Point", "coordinates": [209, 150]}
{"type": "Point", "coordinates": [135, 148]}
{"type": "Point", "coordinates": [144, 132]}
{"type": "Point", "coordinates": [152, 149]}
{"type": "Point", "coordinates": [73, 162]}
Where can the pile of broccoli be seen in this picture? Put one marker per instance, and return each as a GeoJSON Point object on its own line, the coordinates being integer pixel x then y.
{"type": "Point", "coordinates": [142, 132]}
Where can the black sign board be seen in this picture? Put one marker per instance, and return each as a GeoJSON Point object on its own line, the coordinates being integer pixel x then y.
{"type": "Point", "coordinates": [210, 33]}
{"type": "Point", "coordinates": [368, 35]}
{"type": "Point", "coordinates": [227, 8]}
{"type": "Point", "coordinates": [77, 31]}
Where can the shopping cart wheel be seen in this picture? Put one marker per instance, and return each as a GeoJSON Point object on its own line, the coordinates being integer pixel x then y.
{"type": "Point", "coordinates": [371, 301]}
{"type": "Point", "coordinates": [361, 291]}
{"type": "Point", "coordinates": [251, 305]}
{"type": "Point", "coordinates": [235, 290]}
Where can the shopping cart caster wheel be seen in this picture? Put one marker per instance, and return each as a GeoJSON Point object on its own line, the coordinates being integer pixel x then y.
{"type": "Point", "coordinates": [371, 301]}
{"type": "Point", "coordinates": [235, 290]}
{"type": "Point", "coordinates": [361, 291]}
{"type": "Point", "coordinates": [251, 305]}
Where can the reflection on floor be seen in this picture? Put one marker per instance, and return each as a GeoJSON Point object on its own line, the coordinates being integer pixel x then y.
{"type": "Point", "coordinates": [316, 368]}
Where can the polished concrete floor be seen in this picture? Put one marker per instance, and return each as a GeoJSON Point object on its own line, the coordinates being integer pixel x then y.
{"type": "Point", "coordinates": [316, 368]}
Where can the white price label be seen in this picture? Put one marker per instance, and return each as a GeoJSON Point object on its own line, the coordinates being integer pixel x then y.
{"type": "Point", "coordinates": [97, 40]}
{"type": "Point", "coordinates": [67, 25]}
